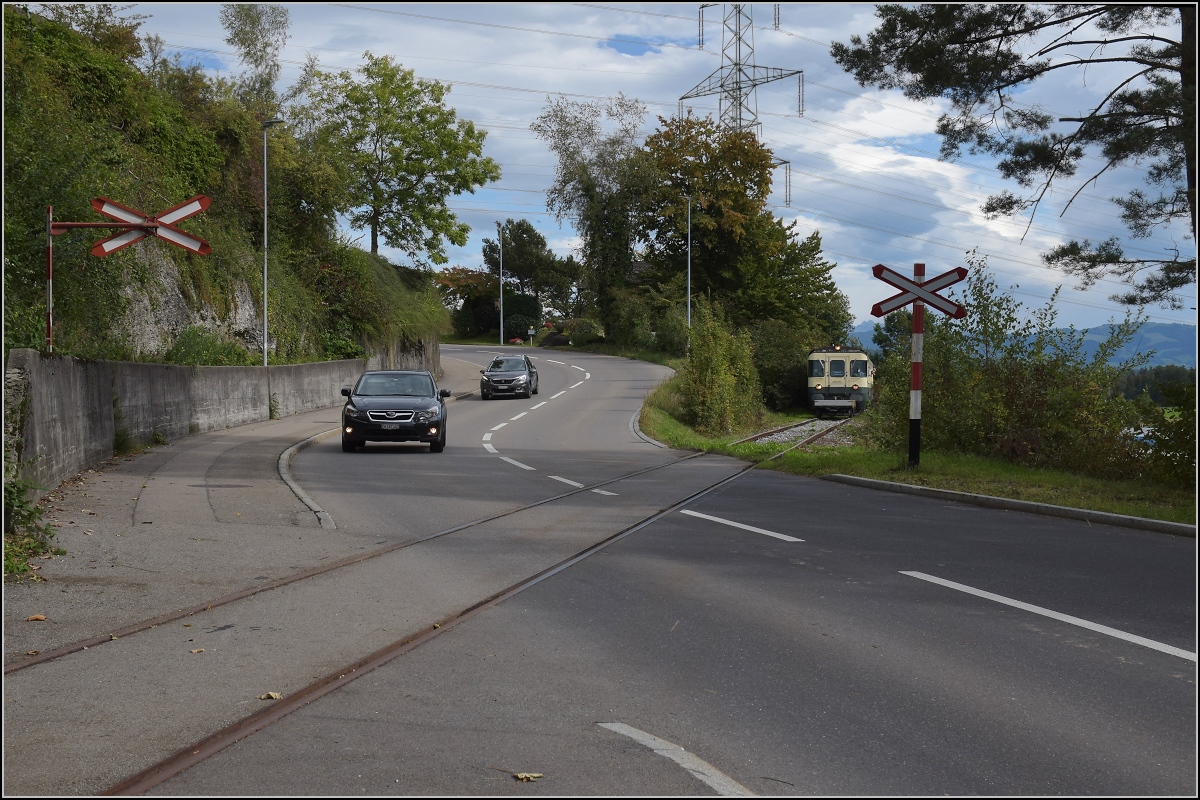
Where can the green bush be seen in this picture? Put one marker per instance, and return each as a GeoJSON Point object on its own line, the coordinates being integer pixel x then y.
{"type": "Point", "coordinates": [1172, 457]}
{"type": "Point", "coordinates": [1010, 385]}
{"type": "Point", "coordinates": [584, 332]}
{"type": "Point", "coordinates": [517, 326]}
{"type": "Point", "coordinates": [781, 358]}
{"type": "Point", "coordinates": [629, 323]}
{"type": "Point", "coordinates": [671, 335]}
{"type": "Point", "coordinates": [720, 385]}
{"type": "Point", "coordinates": [196, 346]}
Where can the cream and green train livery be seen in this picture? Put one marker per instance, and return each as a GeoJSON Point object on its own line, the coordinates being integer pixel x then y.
{"type": "Point", "coordinates": [839, 380]}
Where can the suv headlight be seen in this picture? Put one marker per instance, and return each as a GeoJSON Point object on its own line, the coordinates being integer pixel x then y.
{"type": "Point", "coordinates": [353, 412]}
{"type": "Point", "coordinates": [521, 379]}
{"type": "Point", "coordinates": [427, 415]}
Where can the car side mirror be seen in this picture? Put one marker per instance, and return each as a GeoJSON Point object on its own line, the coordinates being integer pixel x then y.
{"type": "Point", "coordinates": [345, 392]}
{"type": "Point", "coordinates": [444, 393]}
{"type": "Point", "coordinates": [482, 371]}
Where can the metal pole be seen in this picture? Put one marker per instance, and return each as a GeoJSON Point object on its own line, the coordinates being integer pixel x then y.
{"type": "Point", "coordinates": [689, 270]}
{"type": "Point", "coordinates": [500, 231]}
{"type": "Point", "coordinates": [49, 279]}
{"type": "Point", "coordinates": [914, 397]}
{"type": "Point", "coordinates": [264, 303]}
{"type": "Point", "coordinates": [265, 126]}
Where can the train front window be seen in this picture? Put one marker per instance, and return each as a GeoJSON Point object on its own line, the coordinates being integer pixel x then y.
{"type": "Point", "coordinates": [837, 369]}
{"type": "Point", "coordinates": [816, 369]}
{"type": "Point", "coordinates": [858, 369]}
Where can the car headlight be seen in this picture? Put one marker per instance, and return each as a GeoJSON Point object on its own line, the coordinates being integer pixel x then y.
{"type": "Point", "coordinates": [427, 415]}
{"type": "Point", "coordinates": [352, 411]}
{"type": "Point", "coordinates": [521, 379]}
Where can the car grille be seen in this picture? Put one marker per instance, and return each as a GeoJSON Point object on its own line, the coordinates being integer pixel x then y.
{"type": "Point", "coordinates": [390, 416]}
{"type": "Point", "coordinates": [502, 381]}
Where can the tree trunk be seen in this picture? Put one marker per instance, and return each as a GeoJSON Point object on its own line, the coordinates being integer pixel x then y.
{"type": "Point", "coordinates": [1187, 14]}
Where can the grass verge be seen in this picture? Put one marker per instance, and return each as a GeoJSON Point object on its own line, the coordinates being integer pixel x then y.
{"type": "Point", "coordinates": [960, 473]}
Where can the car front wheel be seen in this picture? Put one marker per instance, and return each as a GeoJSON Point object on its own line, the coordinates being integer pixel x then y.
{"type": "Point", "coordinates": [349, 445]}
{"type": "Point", "coordinates": [440, 444]}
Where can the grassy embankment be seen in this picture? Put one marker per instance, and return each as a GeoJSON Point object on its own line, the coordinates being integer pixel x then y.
{"type": "Point", "coordinates": [1140, 498]}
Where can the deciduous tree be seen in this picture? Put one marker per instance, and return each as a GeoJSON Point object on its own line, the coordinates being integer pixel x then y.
{"type": "Point", "coordinates": [401, 151]}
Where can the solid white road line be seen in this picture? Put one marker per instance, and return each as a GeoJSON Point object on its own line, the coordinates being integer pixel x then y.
{"type": "Point", "coordinates": [491, 449]}
{"type": "Point", "coordinates": [1045, 612]}
{"type": "Point", "coordinates": [578, 368]}
{"type": "Point", "coordinates": [498, 427]}
{"type": "Point", "coordinates": [516, 463]}
{"type": "Point", "coordinates": [560, 394]}
{"type": "Point", "coordinates": [539, 405]}
{"type": "Point", "coordinates": [518, 416]}
{"type": "Point", "coordinates": [487, 437]}
{"type": "Point", "coordinates": [608, 494]}
{"type": "Point", "coordinates": [701, 770]}
{"type": "Point", "coordinates": [565, 480]}
{"type": "Point", "coordinates": [577, 384]}
{"type": "Point", "coordinates": [743, 527]}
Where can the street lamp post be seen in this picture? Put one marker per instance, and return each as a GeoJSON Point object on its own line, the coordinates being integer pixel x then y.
{"type": "Point", "coordinates": [689, 271]}
{"type": "Point", "coordinates": [269, 123]}
{"type": "Point", "coordinates": [500, 231]}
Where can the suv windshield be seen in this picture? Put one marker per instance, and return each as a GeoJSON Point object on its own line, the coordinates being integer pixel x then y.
{"type": "Point", "coordinates": [384, 385]}
{"type": "Point", "coordinates": [507, 365]}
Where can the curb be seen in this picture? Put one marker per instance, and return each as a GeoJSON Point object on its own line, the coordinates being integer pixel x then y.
{"type": "Point", "coordinates": [636, 429]}
{"type": "Point", "coordinates": [1046, 509]}
{"type": "Point", "coordinates": [285, 459]}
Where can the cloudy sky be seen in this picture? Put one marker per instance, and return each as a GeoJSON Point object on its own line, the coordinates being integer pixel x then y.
{"type": "Point", "coordinates": [863, 163]}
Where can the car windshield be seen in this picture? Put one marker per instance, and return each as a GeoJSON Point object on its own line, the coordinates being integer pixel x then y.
{"type": "Point", "coordinates": [384, 385]}
{"type": "Point", "coordinates": [507, 365]}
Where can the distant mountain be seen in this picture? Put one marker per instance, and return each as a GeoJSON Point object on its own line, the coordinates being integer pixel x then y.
{"type": "Point", "coordinates": [1172, 343]}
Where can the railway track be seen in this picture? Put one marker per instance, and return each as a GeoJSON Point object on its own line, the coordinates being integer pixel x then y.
{"type": "Point", "coordinates": [200, 750]}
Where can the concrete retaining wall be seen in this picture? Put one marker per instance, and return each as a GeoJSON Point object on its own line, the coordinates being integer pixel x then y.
{"type": "Point", "coordinates": [61, 413]}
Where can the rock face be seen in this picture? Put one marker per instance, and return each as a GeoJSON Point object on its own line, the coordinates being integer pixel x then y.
{"type": "Point", "coordinates": [158, 312]}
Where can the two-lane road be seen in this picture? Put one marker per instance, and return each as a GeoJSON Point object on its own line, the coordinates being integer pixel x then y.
{"type": "Point", "coordinates": [774, 635]}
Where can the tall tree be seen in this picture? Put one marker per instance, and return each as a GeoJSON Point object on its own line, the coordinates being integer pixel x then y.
{"type": "Point", "coordinates": [258, 31]}
{"type": "Point", "coordinates": [401, 151]}
{"type": "Point", "coordinates": [741, 253]}
{"type": "Point", "coordinates": [977, 55]}
{"type": "Point", "coordinates": [527, 257]}
{"type": "Point", "coordinates": [600, 175]}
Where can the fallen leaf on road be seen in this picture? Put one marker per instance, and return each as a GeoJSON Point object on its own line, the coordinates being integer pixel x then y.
{"type": "Point", "coordinates": [36, 618]}
{"type": "Point", "coordinates": [112, 637]}
{"type": "Point", "coordinates": [198, 650]}
{"type": "Point", "coordinates": [32, 652]}
{"type": "Point", "coordinates": [270, 696]}
{"type": "Point", "coordinates": [528, 776]}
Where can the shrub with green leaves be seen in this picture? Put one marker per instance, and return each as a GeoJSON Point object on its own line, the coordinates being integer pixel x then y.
{"type": "Point", "coordinates": [196, 346]}
{"type": "Point", "coordinates": [720, 385]}
{"type": "Point", "coordinates": [584, 332]}
{"type": "Point", "coordinates": [781, 358]}
{"type": "Point", "coordinates": [1004, 383]}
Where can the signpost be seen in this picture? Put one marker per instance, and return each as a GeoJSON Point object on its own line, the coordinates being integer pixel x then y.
{"type": "Point", "coordinates": [918, 291]}
{"type": "Point", "coordinates": [137, 226]}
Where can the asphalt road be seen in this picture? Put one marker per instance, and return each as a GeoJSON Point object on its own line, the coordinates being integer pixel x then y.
{"type": "Point", "coordinates": [775, 635]}
{"type": "Point", "coordinates": [818, 666]}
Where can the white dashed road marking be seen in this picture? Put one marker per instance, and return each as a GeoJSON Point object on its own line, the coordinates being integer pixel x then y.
{"type": "Point", "coordinates": [516, 463]}
{"type": "Point", "coordinates": [498, 427]}
{"type": "Point", "coordinates": [552, 361]}
{"type": "Point", "coordinates": [539, 405]}
{"type": "Point", "coordinates": [724, 785]}
{"type": "Point", "coordinates": [487, 437]}
{"type": "Point", "coordinates": [565, 480]}
{"type": "Point", "coordinates": [574, 385]}
{"type": "Point", "coordinates": [607, 494]}
{"type": "Point", "coordinates": [743, 527]}
{"type": "Point", "coordinates": [490, 448]}
{"type": "Point", "coordinates": [560, 394]}
{"type": "Point", "coordinates": [578, 368]}
{"type": "Point", "coordinates": [518, 416]}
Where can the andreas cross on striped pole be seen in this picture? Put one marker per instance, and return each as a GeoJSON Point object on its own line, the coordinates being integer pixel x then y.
{"type": "Point", "coordinates": [919, 292]}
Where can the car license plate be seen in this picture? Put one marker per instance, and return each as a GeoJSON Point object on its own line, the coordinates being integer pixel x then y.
{"type": "Point", "coordinates": [390, 426]}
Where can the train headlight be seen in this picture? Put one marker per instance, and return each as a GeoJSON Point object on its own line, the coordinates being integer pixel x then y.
{"type": "Point", "coordinates": [855, 387]}
{"type": "Point", "coordinates": [817, 387]}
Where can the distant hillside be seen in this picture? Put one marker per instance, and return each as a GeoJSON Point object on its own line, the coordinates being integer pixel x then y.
{"type": "Point", "coordinates": [1172, 343]}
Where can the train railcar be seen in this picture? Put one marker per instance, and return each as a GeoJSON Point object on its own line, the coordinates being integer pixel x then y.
{"type": "Point", "coordinates": [840, 380]}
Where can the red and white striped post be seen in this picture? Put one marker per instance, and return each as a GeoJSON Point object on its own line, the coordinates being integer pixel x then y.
{"type": "Point", "coordinates": [49, 279]}
{"type": "Point", "coordinates": [914, 395]}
